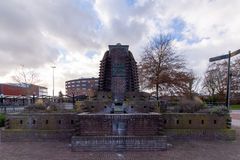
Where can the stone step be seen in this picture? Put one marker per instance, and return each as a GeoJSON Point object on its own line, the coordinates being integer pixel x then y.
{"type": "Point", "coordinates": [118, 143]}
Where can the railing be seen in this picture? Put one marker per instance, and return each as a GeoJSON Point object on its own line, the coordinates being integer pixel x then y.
{"type": "Point", "coordinates": [11, 109]}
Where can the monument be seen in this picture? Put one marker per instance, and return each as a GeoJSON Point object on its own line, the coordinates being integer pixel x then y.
{"type": "Point", "coordinates": [117, 124]}
{"type": "Point", "coordinates": [118, 118]}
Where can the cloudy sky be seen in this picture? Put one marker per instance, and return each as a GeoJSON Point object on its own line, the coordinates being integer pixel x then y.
{"type": "Point", "coordinates": [74, 34]}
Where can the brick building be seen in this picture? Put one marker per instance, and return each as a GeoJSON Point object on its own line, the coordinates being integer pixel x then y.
{"type": "Point", "coordinates": [81, 86]}
{"type": "Point", "coordinates": [17, 90]}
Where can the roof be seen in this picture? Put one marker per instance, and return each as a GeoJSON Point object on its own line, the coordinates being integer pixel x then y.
{"type": "Point", "coordinates": [93, 78]}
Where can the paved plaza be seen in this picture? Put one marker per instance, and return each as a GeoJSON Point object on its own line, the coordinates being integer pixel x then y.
{"type": "Point", "coordinates": [181, 150]}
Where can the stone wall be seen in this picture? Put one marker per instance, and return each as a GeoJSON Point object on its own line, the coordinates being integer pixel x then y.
{"type": "Point", "coordinates": [142, 106]}
{"type": "Point", "coordinates": [96, 106]}
{"type": "Point", "coordinates": [36, 135]}
{"type": "Point", "coordinates": [195, 121]}
{"type": "Point", "coordinates": [198, 125]}
{"type": "Point", "coordinates": [131, 124]}
{"type": "Point", "coordinates": [41, 121]}
{"type": "Point", "coordinates": [61, 126]}
{"type": "Point", "coordinates": [38, 127]}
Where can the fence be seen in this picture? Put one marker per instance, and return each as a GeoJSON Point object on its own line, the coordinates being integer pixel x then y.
{"type": "Point", "coordinates": [11, 109]}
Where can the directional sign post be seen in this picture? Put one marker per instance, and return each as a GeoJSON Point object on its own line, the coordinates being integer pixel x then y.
{"type": "Point", "coordinates": [227, 56]}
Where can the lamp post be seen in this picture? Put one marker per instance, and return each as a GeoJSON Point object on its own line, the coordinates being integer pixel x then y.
{"type": "Point", "coordinates": [53, 67]}
{"type": "Point", "coordinates": [1, 97]}
{"type": "Point", "coordinates": [1, 103]}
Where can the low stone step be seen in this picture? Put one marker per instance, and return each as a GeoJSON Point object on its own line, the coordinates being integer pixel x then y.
{"type": "Point", "coordinates": [118, 143]}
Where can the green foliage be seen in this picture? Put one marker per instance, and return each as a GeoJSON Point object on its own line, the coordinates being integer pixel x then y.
{"type": "Point", "coordinates": [235, 107]}
{"type": "Point", "coordinates": [2, 120]}
{"type": "Point", "coordinates": [219, 110]}
{"type": "Point", "coordinates": [191, 105]}
{"type": "Point", "coordinates": [35, 107]}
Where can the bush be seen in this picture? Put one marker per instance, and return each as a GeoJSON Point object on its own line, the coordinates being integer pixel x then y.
{"type": "Point", "coordinates": [219, 110]}
{"type": "Point", "coordinates": [191, 105]}
{"type": "Point", "coordinates": [2, 120]}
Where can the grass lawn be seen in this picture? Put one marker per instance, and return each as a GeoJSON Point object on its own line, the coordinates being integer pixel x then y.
{"type": "Point", "coordinates": [235, 107]}
{"type": "Point", "coordinates": [2, 119]}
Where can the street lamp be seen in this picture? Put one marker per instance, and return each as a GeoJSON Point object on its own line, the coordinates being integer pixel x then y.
{"type": "Point", "coordinates": [53, 67]}
{"type": "Point", "coordinates": [1, 97]}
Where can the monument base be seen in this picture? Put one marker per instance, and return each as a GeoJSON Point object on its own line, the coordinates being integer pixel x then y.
{"type": "Point", "coordinates": [118, 143]}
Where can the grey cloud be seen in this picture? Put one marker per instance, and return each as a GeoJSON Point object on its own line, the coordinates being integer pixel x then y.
{"type": "Point", "coordinates": [22, 24]}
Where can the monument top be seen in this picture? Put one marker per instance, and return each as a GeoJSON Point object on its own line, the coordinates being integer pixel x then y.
{"type": "Point", "coordinates": [118, 72]}
{"type": "Point", "coordinates": [118, 45]}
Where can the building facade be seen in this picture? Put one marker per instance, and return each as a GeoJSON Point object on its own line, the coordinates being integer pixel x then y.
{"type": "Point", "coordinates": [18, 90]}
{"type": "Point", "coordinates": [81, 86]}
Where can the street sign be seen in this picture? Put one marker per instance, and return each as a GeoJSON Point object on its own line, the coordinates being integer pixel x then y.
{"type": "Point", "coordinates": [226, 56]}
{"type": "Point", "coordinates": [235, 53]}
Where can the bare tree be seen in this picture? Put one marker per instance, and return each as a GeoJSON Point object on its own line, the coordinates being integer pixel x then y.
{"type": "Point", "coordinates": [215, 79]}
{"type": "Point", "coordinates": [235, 79]}
{"type": "Point", "coordinates": [192, 85]}
{"type": "Point", "coordinates": [26, 78]}
{"type": "Point", "coordinates": [162, 68]}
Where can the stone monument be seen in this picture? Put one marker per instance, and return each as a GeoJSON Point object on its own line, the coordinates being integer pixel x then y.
{"type": "Point", "coordinates": [119, 125]}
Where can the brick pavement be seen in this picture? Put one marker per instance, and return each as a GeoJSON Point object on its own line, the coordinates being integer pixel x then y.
{"type": "Point", "coordinates": [235, 114]}
{"type": "Point", "coordinates": [182, 150]}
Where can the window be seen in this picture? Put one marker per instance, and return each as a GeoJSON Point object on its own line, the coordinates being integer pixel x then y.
{"type": "Point", "coordinates": [84, 84]}
{"type": "Point", "coordinates": [202, 121]}
{"type": "Point", "coordinates": [215, 121]}
{"type": "Point", "coordinates": [190, 121]}
{"type": "Point", "coordinates": [177, 121]}
{"type": "Point", "coordinates": [34, 121]}
{"type": "Point", "coordinates": [72, 121]}
{"type": "Point", "coordinates": [59, 121]}
{"type": "Point", "coordinates": [21, 122]}
{"type": "Point", "coordinates": [46, 121]}
{"type": "Point", "coordinates": [165, 121]}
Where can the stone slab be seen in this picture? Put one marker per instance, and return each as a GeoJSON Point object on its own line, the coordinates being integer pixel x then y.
{"type": "Point", "coordinates": [118, 143]}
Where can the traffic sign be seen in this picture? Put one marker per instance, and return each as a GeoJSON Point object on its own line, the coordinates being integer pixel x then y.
{"type": "Point", "coordinates": [226, 56]}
